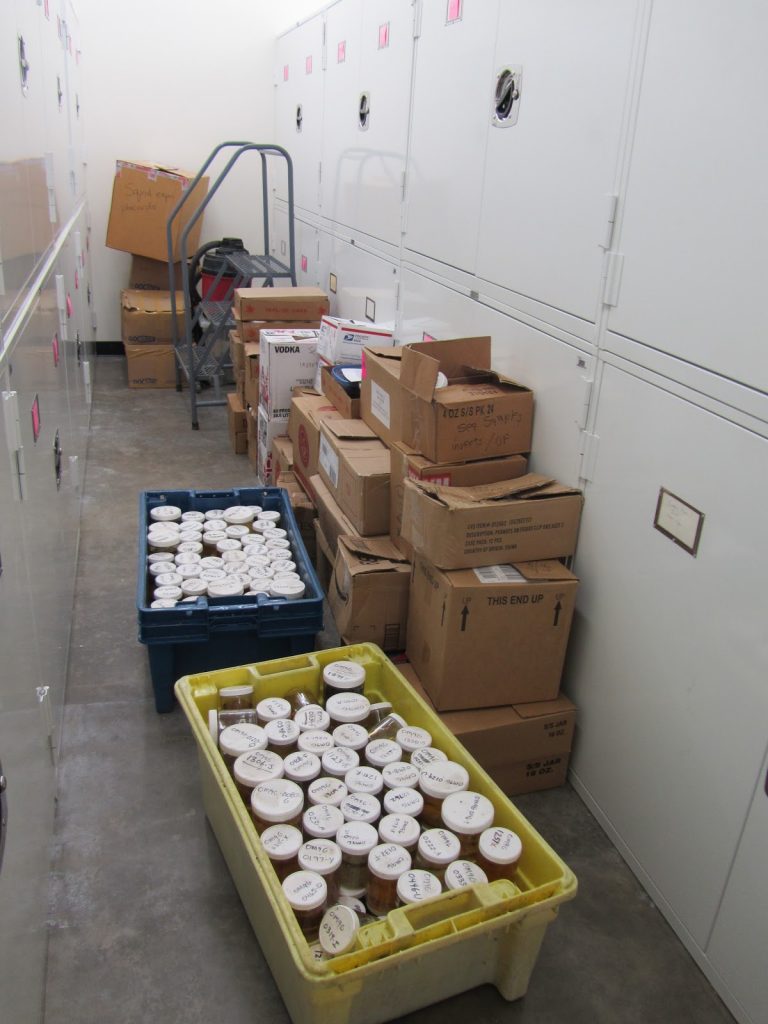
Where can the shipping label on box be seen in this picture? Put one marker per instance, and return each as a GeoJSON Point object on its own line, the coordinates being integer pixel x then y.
{"type": "Point", "coordinates": [381, 397]}
{"type": "Point", "coordinates": [147, 317]}
{"type": "Point", "coordinates": [343, 341]}
{"type": "Point", "coordinates": [355, 465]}
{"type": "Point", "coordinates": [289, 304]}
{"type": "Point", "coordinates": [288, 361]}
{"type": "Point", "coordinates": [368, 594]}
{"type": "Point", "coordinates": [250, 330]}
{"type": "Point", "coordinates": [332, 520]}
{"type": "Point", "coordinates": [307, 413]}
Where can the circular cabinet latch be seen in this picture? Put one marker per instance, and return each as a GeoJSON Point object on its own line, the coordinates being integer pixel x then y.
{"type": "Point", "coordinates": [299, 117]}
{"type": "Point", "coordinates": [506, 99]}
{"type": "Point", "coordinates": [364, 111]}
{"type": "Point", "coordinates": [23, 66]}
{"type": "Point", "coordinates": [3, 783]}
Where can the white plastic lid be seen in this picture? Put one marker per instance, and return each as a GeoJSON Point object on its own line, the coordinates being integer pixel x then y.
{"type": "Point", "coordinates": [284, 577]}
{"type": "Point", "coordinates": [279, 555]}
{"type": "Point", "coordinates": [214, 513]}
{"type": "Point", "coordinates": [163, 602]}
{"type": "Point", "coordinates": [282, 842]}
{"type": "Point", "coordinates": [338, 930]}
{"type": "Point", "coordinates": [214, 524]}
{"type": "Point", "coordinates": [462, 873]}
{"type": "Point", "coordinates": [364, 779]}
{"type": "Point", "coordinates": [357, 838]}
{"type": "Point", "coordinates": [191, 600]}
{"type": "Point", "coordinates": [415, 886]}
{"type": "Point", "coordinates": [312, 717]}
{"type": "Point", "coordinates": [411, 738]}
{"type": "Point", "coordinates": [441, 779]}
{"type": "Point", "coordinates": [360, 807]}
{"type": "Point", "coordinates": [389, 861]}
{"type": "Point", "coordinates": [187, 548]}
{"type": "Point", "coordinates": [212, 575]}
{"type": "Point", "coordinates": [165, 513]}
{"type": "Point", "coordinates": [169, 579]}
{"type": "Point", "coordinates": [348, 707]}
{"type": "Point", "coordinates": [161, 568]}
{"type": "Point", "coordinates": [283, 566]}
{"type": "Point", "coordinates": [315, 741]}
{"type": "Point", "coordinates": [282, 732]}
{"type": "Point", "coordinates": [327, 790]}
{"type": "Point", "coordinates": [381, 752]}
{"type": "Point", "coordinates": [268, 516]}
{"type": "Point", "coordinates": [322, 821]}
{"type": "Point", "coordinates": [160, 532]}
{"type": "Point", "coordinates": [228, 587]}
{"type": "Point", "coordinates": [213, 725]}
{"type": "Point", "coordinates": [320, 855]}
{"type": "Point", "coordinates": [241, 690]}
{"type": "Point", "coordinates": [351, 898]}
{"type": "Point", "coordinates": [501, 846]}
{"type": "Point", "coordinates": [350, 734]}
{"type": "Point", "coordinates": [256, 561]}
{"type": "Point", "coordinates": [274, 533]}
{"type": "Point", "coordinates": [258, 766]}
{"type": "Point", "coordinates": [239, 514]}
{"type": "Point", "coordinates": [228, 544]}
{"type": "Point", "coordinates": [291, 590]}
{"type": "Point", "coordinates": [214, 537]}
{"type": "Point", "coordinates": [260, 586]}
{"type": "Point", "coordinates": [400, 775]}
{"type": "Point", "coordinates": [167, 593]}
{"type": "Point", "coordinates": [238, 532]}
{"type": "Point", "coordinates": [192, 517]}
{"type": "Point", "coordinates": [160, 556]}
{"type": "Point", "coordinates": [241, 577]}
{"type": "Point", "coordinates": [239, 739]}
{"type": "Point", "coordinates": [439, 846]}
{"type": "Point", "coordinates": [254, 549]}
{"type": "Point", "coordinates": [404, 801]}
{"type": "Point", "coordinates": [259, 527]}
{"type": "Point", "coordinates": [344, 675]}
{"type": "Point", "coordinates": [301, 766]}
{"type": "Point", "coordinates": [278, 800]}
{"type": "Point", "coordinates": [232, 557]}
{"type": "Point", "coordinates": [305, 890]}
{"type": "Point", "coordinates": [425, 756]}
{"type": "Point", "coordinates": [260, 572]}
{"type": "Point", "coordinates": [189, 572]}
{"type": "Point", "coordinates": [211, 562]}
{"type": "Point", "coordinates": [273, 543]}
{"type": "Point", "coordinates": [194, 587]}
{"type": "Point", "coordinates": [273, 707]}
{"type": "Point", "coordinates": [399, 828]}
{"type": "Point", "coordinates": [467, 813]}
{"type": "Point", "coordinates": [339, 760]}
{"type": "Point", "coordinates": [164, 543]}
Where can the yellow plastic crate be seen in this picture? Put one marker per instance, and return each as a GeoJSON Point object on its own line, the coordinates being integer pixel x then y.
{"type": "Point", "coordinates": [417, 955]}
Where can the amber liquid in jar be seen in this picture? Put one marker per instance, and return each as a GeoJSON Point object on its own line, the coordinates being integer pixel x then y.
{"type": "Point", "coordinates": [499, 852]}
{"type": "Point", "coordinates": [307, 895]}
{"type": "Point", "coordinates": [386, 863]}
{"type": "Point", "coordinates": [355, 839]}
{"type": "Point", "coordinates": [282, 844]}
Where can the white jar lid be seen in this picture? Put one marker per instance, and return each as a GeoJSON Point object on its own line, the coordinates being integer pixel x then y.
{"type": "Point", "coordinates": [276, 543]}
{"type": "Point", "coordinates": [273, 707]}
{"type": "Point", "coordinates": [283, 565]}
{"type": "Point", "coordinates": [388, 861]}
{"type": "Point", "coordinates": [162, 535]}
{"type": "Point", "coordinates": [191, 600]}
{"type": "Point", "coordinates": [260, 572]}
{"type": "Point", "coordinates": [212, 575]}
{"type": "Point", "coordinates": [189, 571]}
{"type": "Point", "coordinates": [258, 766]}
{"type": "Point", "coordinates": [411, 738]}
{"type": "Point", "coordinates": [167, 593]}
{"type": "Point", "coordinates": [277, 556]}
{"type": "Point", "coordinates": [240, 738]}
{"type": "Point", "coordinates": [214, 524]}
{"type": "Point", "coordinates": [163, 602]}
{"type": "Point", "coordinates": [360, 807]}
{"type": "Point", "coordinates": [322, 821]}
{"type": "Point", "coordinates": [311, 718]}
{"type": "Point", "coordinates": [357, 838]}
{"type": "Point", "coordinates": [274, 533]}
{"type": "Point", "coordinates": [348, 707]}
{"type": "Point", "coordinates": [282, 732]}
{"type": "Point", "coordinates": [214, 513]}
{"type": "Point", "coordinates": [161, 568]}
{"type": "Point", "coordinates": [228, 544]}
{"type": "Point", "coordinates": [260, 585]}
{"type": "Point", "coordinates": [168, 579]}
{"type": "Point", "coordinates": [344, 675]}
{"type": "Point", "coordinates": [211, 562]}
{"type": "Point", "coordinates": [288, 591]}
{"type": "Point", "coordinates": [187, 548]}
{"type": "Point", "coordinates": [404, 801]}
{"type": "Point", "coordinates": [320, 855]}
{"type": "Point", "coordinates": [425, 756]}
{"type": "Point", "coordinates": [381, 752]}
{"type": "Point", "coordinates": [239, 515]}
{"type": "Point", "coordinates": [282, 842]}
{"type": "Point", "coordinates": [194, 587]}
{"type": "Point", "coordinates": [439, 846]}
{"type": "Point", "coordinates": [339, 760]}
{"type": "Point", "coordinates": [416, 885]}
{"type": "Point", "coordinates": [315, 741]}
{"type": "Point", "coordinates": [326, 790]}
{"type": "Point", "coordinates": [242, 577]}
{"type": "Point", "coordinates": [254, 561]}
{"type": "Point", "coordinates": [214, 537]}
{"type": "Point", "coordinates": [305, 890]}
{"type": "Point", "coordinates": [165, 513]}
{"type": "Point", "coordinates": [235, 556]}
{"type": "Point", "coordinates": [253, 508]}
{"type": "Point", "coordinates": [241, 690]}
{"type": "Point", "coordinates": [462, 873]}
{"type": "Point", "coordinates": [350, 734]}
{"type": "Point", "coordinates": [228, 587]}
{"type": "Point", "coordinates": [191, 527]}
{"type": "Point", "coordinates": [278, 800]}
{"type": "Point", "coordinates": [301, 766]}
{"type": "Point", "coordinates": [268, 516]}
{"type": "Point", "coordinates": [338, 930]}
{"type": "Point", "coordinates": [238, 532]}
{"type": "Point", "coordinates": [399, 828]}
{"type": "Point", "coordinates": [441, 779]}
{"type": "Point", "coordinates": [253, 545]}
{"type": "Point", "coordinates": [501, 846]}
{"type": "Point", "coordinates": [185, 537]}
{"type": "Point", "coordinates": [160, 556]}
{"type": "Point", "coordinates": [259, 527]}
{"type": "Point", "coordinates": [163, 543]}
{"type": "Point", "coordinates": [400, 775]}
{"type": "Point", "coordinates": [364, 779]}
{"type": "Point", "coordinates": [284, 577]}
{"type": "Point", "coordinates": [467, 813]}
{"type": "Point", "coordinates": [192, 516]}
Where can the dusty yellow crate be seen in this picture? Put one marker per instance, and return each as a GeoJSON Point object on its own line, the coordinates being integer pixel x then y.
{"type": "Point", "coordinates": [417, 955]}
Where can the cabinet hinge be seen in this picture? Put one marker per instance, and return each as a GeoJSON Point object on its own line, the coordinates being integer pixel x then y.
{"type": "Point", "coordinates": [590, 445]}
{"type": "Point", "coordinates": [612, 206]}
{"type": "Point", "coordinates": [614, 265]}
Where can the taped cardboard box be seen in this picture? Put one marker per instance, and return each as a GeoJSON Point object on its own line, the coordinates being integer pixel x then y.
{"type": "Point", "coordinates": [280, 303]}
{"type": "Point", "coordinates": [147, 318]}
{"type": "Point", "coordinates": [333, 522]}
{"type": "Point", "coordinates": [150, 365]}
{"type": "Point", "coordinates": [152, 275]}
{"type": "Point", "coordinates": [342, 401]}
{"type": "Point", "coordinates": [307, 413]}
{"type": "Point", "coordinates": [250, 330]}
{"type": "Point", "coordinates": [303, 507]}
{"type": "Point", "coordinates": [268, 431]}
{"type": "Point", "coordinates": [253, 439]}
{"type": "Point", "coordinates": [251, 374]}
{"type": "Point", "coordinates": [369, 592]}
{"type": "Point", "coordinates": [492, 635]}
{"type": "Point", "coordinates": [237, 353]}
{"type": "Point", "coordinates": [237, 420]}
{"type": "Point", "coordinates": [283, 450]}
{"type": "Point", "coordinates": [324, 558]}
{"type": "Point", "coordinates": [343, 341]}
{"type": "Point", "coordinates": [143, 196]}
{"type": "Point", "coordinates": [519, 520]}
{"type": "Point", "coordinates": [381, 398]}
{"type": "Point", "coordinates": [478, 414]}
{"type": "Point", "coordinates": [355, 466]}
{"type": "Point", "coordinates": [288, 360]}
{"type": "Point", "coordinates": [409, 465]}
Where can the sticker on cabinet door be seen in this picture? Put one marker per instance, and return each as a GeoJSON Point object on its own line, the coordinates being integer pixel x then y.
{"type": "Point", "coordinates": [47, 9]}
{"type": "Point", "coordinates": [70, 307]}
{"type": "Point", "coordinates": [679, 521]}
{"type": "Point", "coordinates": [36, 420]}
{"type": "Point", "coordinates": [454, 11]}
{"type": "Point", "coordinates": [341, 52]}
{"type": "Point", "coordinates": [384, 35]}
{"type": "Point", "coordinates": [285, 72]}
{"type": "Point", "coordinates": [304, 264]}
{"type": "Point", "coordinates": [308, 65]}
{"type": "Point", "coordinates": [55, 347]}
{"type": "Point", "coordinates": [427, 337]}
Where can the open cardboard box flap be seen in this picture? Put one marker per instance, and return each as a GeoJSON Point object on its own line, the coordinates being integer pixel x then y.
{"type": "Point", "coordinates": [458, 358]}
{"type": "Point", "coordinates": [350, 430]}
{"type": "Point", "coordinates": [372, 554]}
{"type": "Point", "coordinates": [523, 488]}
{"type": "Point", "coordinates": [146, 301]}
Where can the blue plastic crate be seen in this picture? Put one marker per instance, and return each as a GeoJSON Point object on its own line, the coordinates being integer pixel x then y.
{"type": "Point", "coordinates": [220, 632]}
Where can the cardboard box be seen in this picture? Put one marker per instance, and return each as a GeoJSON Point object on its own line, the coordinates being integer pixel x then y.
{"type": "Point", "coordinates": [150, 365]}
{"type": "Point", "coordinates": [251, 374]}
{"type": "Point", "coordinates": [147, 318]}
{"type": "Point", "coordinates": [143, 196]}
{"type": "Point", "coordinates": [480, 413]}
{"type": "Point", "coordinates": [343, 341]}
{"type": "Point", "coordinates": [333, 522]}
{"type": "Point", "coordinates": [348, 408]}
{"type": "Point", "coordinates": [490, 636]}
{"type": "Point", "coordinates": [407, 464]}
{"type": "Point", "coordinates": [280, 303]}
{"type": "Point", "coordinates": [303, 509]}
{"type": "Point", "coordinates": [324, 558]}
{"type": "Point", "coordinates": [307, 413]}
{"type": "Point", "coordinates": [250, 330]}
{"type": "Point", "coordinates": [253, 439]}
{"type": "Point", "coordinates": [519, 520]}
{"type": "Point", "coordinates": [152, 275]}
{"type": "Point", "coordinates": [237, 353]}
{"type": "Point", "coordinates": [237, 419]}
{"type": "Point", "coordinates": [283, 452]}
{"type": "Point", "coordinates": [268, 431]}
{"type": "Point", "coordinates": [355, 466]}
{"type": "Point", "coordinates": [288, 361]}
{"type": "Point", "coordinates": [369, 592]}
{"type": "Point", "coordinates": [381, 398]}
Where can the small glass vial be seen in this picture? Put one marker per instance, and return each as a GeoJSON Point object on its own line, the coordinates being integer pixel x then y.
{"type": "Point", "coordinates": [425, 756]}
{"type": "Point", "coordinates": [324, 857]}
{"type": "Point", "coordinates": [364, 780]}
{"type": "Point", "coordinates": [282, 735]}
{"type": "Point", "coordinates": [386, 862]}
{"type": "Point", "coordinates": [316, 741]}
{"type": "Point", "coordinates": [361, 807]}
{"type": "Point", "coordinates": [307, 896]}
{"type": "Point", "coordinates": [312, 717]}
{"type": "Point", "coordinates": [299, 698]}
{"type": "Point", "coordinates": [400, 775]}
{"type": "Point", "coordinates": [347, 707]}
{"type": "Point", "coordinates": [235, 698]}
{"type": "Point", "coordinates": [463, 873]}
{"type": "Point", "coordinates": [322, 821]}
{"type": "Point", "coordinates": [218, 721]}
{"type": "Point", "coordinates": [416, 885]}
{"type": "Point", "coordinates": [499, 851]}
{"type": "Point", "coordinates": [404, 801]}
{"type": "Point", "coordinates": [377, 713]}
{"type": "Point", "coordinates": [326, 790]}
{"type": "Point", "coordinates": [338, 760]}
{"type": "Point", "coordinates": [436, 782]}
{"type": "Point", "coordinates": [271, 708]}
{"type": "Point", "coordinates": [355, 839]}
{"type": "Point", "coordinates": [343, 677]}
{"type": "Point", "coordinates": [278, 802]}
{"type": "Point", "coordinates": [412, 738]}
{"type": "Point", "coordinates": [387, 728]}
{"type": "Point", "coordinates": [401, 829]}
{"type": "Point", "coordinates": [381, 752]}
{"type": "Point", "coordinates": [282, 843]}
{"type": "Point", "coordinates": [338, 930]}
{"type": "Point", "coordinates": [240, 739]}
{"type": "Point", "coordinates": [436, 850]}
{"type": "Point", "coordinates": [350, 735]}
{"type": "Point", "coordinates": [467, 814]}
{"type": "Point", "coordinates": [255, 767]}
{"type": "Point", "coordinates": [302, 768]}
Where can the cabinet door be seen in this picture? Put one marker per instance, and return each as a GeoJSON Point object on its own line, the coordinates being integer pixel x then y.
{"type": "Point", "coordinates": [362, 286]}
{"type": "Point", "coordinates": [56, 89]}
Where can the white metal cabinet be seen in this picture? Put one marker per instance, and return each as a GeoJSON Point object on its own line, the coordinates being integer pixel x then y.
{"type": "Point", "coordinates": [695, 217]}
{"type": "Point", "coordinates": [668, 656]}
{"type": "Point", "coordinates": [361, 284]}
{"type": "Point", "coordinates": [53, 72]}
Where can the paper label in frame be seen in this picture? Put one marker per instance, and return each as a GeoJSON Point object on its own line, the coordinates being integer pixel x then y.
{"type": "Point", "coordinates": [499, 574]}
{"type": "Point", "coordinates": [329, 460]}
{"type": "Point", "coordinates": [380, 404]}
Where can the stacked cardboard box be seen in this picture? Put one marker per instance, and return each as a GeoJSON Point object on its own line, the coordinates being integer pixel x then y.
{"type": "Point", "coordinates": [342, 342]}
{"type": "Point", "coordinates": [147, 331]}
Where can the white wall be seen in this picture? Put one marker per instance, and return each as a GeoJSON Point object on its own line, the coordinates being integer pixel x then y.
{"type": "Point", "coordinates": [165, 81]}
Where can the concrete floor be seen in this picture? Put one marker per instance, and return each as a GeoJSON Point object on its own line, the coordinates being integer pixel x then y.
{"type": "Point", "coordinates": [145, 922]}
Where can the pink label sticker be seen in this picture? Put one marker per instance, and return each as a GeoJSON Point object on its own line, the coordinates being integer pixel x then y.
{"type": "Point", "coordinates": [285, 72]}
{"type": "Point", "coordinates": [427, 337]}
{"type": "Point", "coordinates": [341, 52]}
{"type": "Point", "coordinates": [55, 347]}
{"type": "Point", "coordinates": [454, 11]}
{"type": "Point", "coordinates": [384, 35]}
{"type": "Point", "coordinates": [69, 44]}
{"type": "Point", "coordinates": [308, 64]}
{"type": "Point", "coordinates": [70, 307]}
{"type": "Point", "coordinates": [47, 9]}
{"type": "Point", "coordinates": [304, 264]}
{"type": "Point", "coordinates": [77, 280]}
{"type": "Point", "coordinates": [36, 420]}
{"type": "Point", "coordinates": [364, 368]}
